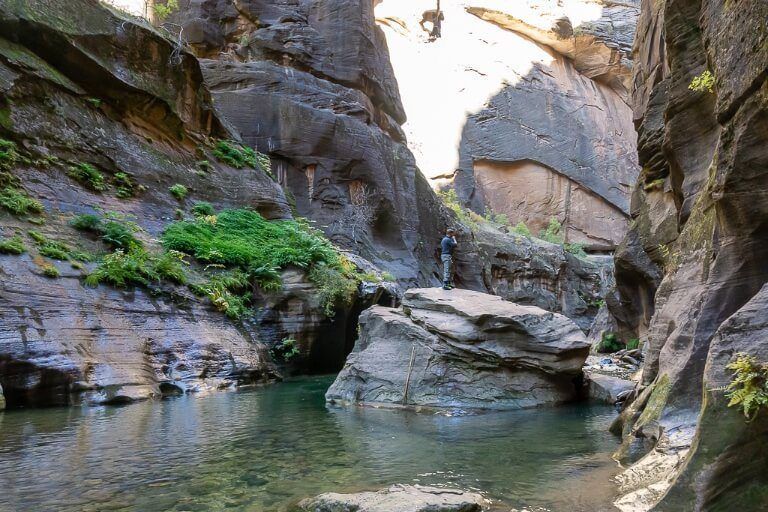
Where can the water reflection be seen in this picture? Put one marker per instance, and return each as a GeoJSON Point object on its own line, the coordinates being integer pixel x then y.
{"type": "Point", "coordinates": [263, 450]}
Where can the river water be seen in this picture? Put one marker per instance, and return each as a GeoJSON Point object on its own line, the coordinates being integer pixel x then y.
{"type": "Point", "coordinates": [263, 450]}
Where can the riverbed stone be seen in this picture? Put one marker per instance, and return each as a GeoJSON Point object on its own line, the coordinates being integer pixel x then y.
{"type": "Point", "coordinates": [464, 349]}
{"type": "Point", "coordinates": [606, 388]}
{"type": "Point", "coordinates": [397, 498]}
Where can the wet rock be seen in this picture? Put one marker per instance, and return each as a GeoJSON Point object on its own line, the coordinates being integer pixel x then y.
{"type": "Point", "coordinates": [468, 350]}
{"type": "Point", "coordinates": [2, 399]}
{"type": "Point", "coordinates": [605, 388]}
{"type": "Point", "coordinates": [397, 498]}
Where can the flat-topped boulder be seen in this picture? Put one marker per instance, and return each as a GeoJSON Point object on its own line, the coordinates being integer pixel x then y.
{"type": "Point", "coordinates": [397, 498]}
{"type": "Point", "coordinates": [461, 349]}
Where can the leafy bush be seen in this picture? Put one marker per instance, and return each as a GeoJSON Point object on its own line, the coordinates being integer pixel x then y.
{"type": "Point", "coordinates": [125, 185]}
{"type": "Point", "coordinates": [170, 266]}
{"type": "Point", "coordinates": [749, 387]}
{"type": "Point", "coordinates": [553, 232]}
{"type": "Point", "coordinates": [122, 268]}
{"type": "Point", "coordinates": [86, 222]}
{"type": "Point", "coordinates": [14, 245]}
{"type": "Point", "coordinates": [202, 209]}
{"type": "Point", "coordinates": [576, 249]}
{"type": "Point", "coordinates": [703, 82]}
{"type": "Point", "coordinates": [50, 271]}
{"type": "Point", "coordinates": [334, 288]}
{"type": "Point", "coordinates": [632, 344]}
{"type": "Point", "coordinates": [451, 201]}
{"type": "Point", "coordinates": [609, 343]}
{"type": "Point", "coordinates": [521, 229]}
{"type": "Point", "coordinates": [386, 276]}
{"type": "Point", "coordinates": [88, 175]}
{"type": "Point", "coordinates": [178, 191]}
{"type": "Point", "coordinates": [119, 235]}
{"type": "Point", "coordinates": [238, 156]}
{"type": "Point", "coordinates": [17, 202]}
{"type": "Point", "coordinates": [9, 156]}
{"type": "Point", "coordinates": [228, 291]}
{"type": "Point", "coordinates": [244, 240]}
{"type": "Point", "coordinates": [286, 349]}
{"type": "Point", "coordinates": [162, 11]}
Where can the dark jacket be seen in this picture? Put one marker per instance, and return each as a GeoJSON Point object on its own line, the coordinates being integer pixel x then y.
{"type": "Point", "coordinates": [447, 245]}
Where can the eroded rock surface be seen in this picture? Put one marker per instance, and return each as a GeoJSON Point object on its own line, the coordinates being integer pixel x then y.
{"type": "Point", "coordinates": [691, 270]}
{"type": "Point", "coordinates": [470, 350]}
{"type": "Point", "coordinates": [397, 498]}
{"type": "Point", "coordinates": [530, 129]}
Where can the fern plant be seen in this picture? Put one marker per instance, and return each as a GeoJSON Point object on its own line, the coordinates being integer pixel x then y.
{"type": "Point", "coordinates": [749, 387]}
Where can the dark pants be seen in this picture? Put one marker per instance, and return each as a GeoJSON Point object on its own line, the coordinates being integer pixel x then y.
{"type": "Point", "coordinates": [447, 268]}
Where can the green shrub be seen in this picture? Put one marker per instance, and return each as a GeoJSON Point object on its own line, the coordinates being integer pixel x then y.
{"type": "Point", "coordinates": [521, 229]}
{"type": "Point", "coordinates": [170, 266]}
{"type": "Point", "coordinates": [17, 202]}
{"type": "Point", "coordinates": [334, 288]}
{"type": "Point", "coordinates": [576, 249]}
{"type": "Point", "coordinates": [14, 245]}
{"type": "Point", "coordinates": [121, 269]}
{"type": "Point", "coordinates": [204, 166]}
{"type": "Point", "coordinates": [9, 156]}
{"type": "Point", "coordinates": [88, 175]}
{"type": "Point", "coordinates": [87, 222]}
{"type": "Point", "coordinates": [243, 239]}
{"type": "Point", "coordinates": [749, 387]}
{"type": "Point", "coordinates": [451, 201]}
{"type": "Point", "coordinates": [50, 271]}
{"type": "Point", "coordinates": [286, 349]}
{"type": "Point", "coordinates": [632, 344]}
{"type": "Point", "coordinates": [228, 292]}
{"type": "Point", "coordinates": [126, 186]}
{"type": "Point", "coordinates": [119, 235]}
{"type": "Point", "coordinates": [202, 209]}
{"type": "Point", "coordinates": [178, 191]}
{"type": "Point", "coordinates": [236, 155]}
{"type": "Point", "coordinates": [703, 82]}
{"type": "Point", "coordinates": [609, 343]}
{"type": "Point", "coordinates": [55, 250]}
{"type": "Point", "coordinates": [553, 232]}
{"type": "Point", "coordinates": [386, 276]}
{"type": "Point", "coordinates": [162, 11]}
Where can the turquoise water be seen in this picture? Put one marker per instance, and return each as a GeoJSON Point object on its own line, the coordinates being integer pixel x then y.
{"type": "Point", "coordinates": [265, 449]}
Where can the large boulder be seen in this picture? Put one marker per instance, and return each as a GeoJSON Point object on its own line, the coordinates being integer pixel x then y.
{"type": "Point", "coordinates": [461, 349]}
{"type": "Point", "coordinates": [397, 498]}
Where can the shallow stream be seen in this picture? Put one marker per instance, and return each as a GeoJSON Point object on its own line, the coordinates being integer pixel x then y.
{"type": "Point", "coordinates": [263, 450]}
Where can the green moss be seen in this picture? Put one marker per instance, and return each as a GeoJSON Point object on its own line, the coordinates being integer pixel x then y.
{"type": "Point", "coordinates": [57, 250]}
{"type": "Point", "coordinates": [654, 184]}
{"type": "Point", "coordinates": [202, 209]}
{"type": "Point", "coordinates": [14, 245]}
{"type": "Point", "coordinates": [656, 402]}
{"type": "Point", "coordinates": [87, 175]}
{"type": "Point", "coordinates": [178, 191]}
{"type": "Point", "coordinates": [244, 240]}
{"type": "Point", "coordinates": [9, 155]}
{"type": "Point", "coordinates": [50, 271]}
{"type": "Point", "coordinates": [125, 185]}
{"type": "Point", "coordinates": [238, 156]}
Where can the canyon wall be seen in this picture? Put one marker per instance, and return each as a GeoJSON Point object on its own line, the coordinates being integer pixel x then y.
{"type": "Point", "coordinates": [691, 273]}
{"type": "Point", "coordinates": [523, 108]}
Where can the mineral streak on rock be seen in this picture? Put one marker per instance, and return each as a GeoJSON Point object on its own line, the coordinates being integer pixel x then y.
{"type": "Point", "coordinates": [461, 349]}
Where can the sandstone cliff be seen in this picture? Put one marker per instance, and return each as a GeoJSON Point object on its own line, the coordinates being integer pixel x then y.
{"type": "Point", "coordinates": [523, 106]}
{"type": "Point", "coordinates": [691, 273]}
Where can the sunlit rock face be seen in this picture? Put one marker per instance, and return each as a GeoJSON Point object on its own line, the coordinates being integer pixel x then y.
{"type": "Point", "coordinates": [135, 7]}
{"type": "Point", "coordinates": [536, 86]}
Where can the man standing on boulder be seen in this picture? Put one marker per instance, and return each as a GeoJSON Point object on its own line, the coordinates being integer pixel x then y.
{"type": "Point", "coordinates": [447, 246]}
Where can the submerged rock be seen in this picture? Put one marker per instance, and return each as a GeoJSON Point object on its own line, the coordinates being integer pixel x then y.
{"type": "Point", "coordinates": [461, 348]}
{"type": "Point", "coordinates": [397, 498]}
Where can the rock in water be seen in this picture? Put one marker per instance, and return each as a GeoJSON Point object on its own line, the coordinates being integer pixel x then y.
{"type": "Point", "coordinates": [470, 350]}
{"type": "Point", "coordinates": [398, 498]}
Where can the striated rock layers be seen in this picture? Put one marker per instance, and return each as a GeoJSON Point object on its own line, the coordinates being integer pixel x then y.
{"type": "Point", "coordinates": [397, 498]}
{"type": "Point", "coordinates": [691, 273]}
{"type": "Point", "coordinates": [311, 84]}
{"type": "Point", "coordinates": [524, 106]}
{"type": "Point", "coordinates": [461, 349]}
{"type": "Point", "coordinates": [78, 90]}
